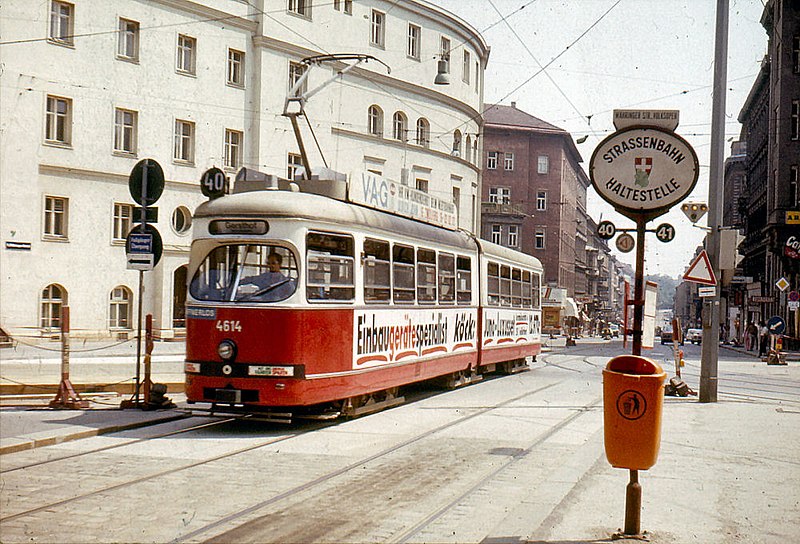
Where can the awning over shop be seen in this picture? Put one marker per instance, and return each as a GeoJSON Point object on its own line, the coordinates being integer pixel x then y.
{"type": "Point", "coordinates": [570, 308]}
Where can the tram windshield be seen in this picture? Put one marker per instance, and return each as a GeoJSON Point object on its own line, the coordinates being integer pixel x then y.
{"type": "Point", "coordinates": [244, 273]}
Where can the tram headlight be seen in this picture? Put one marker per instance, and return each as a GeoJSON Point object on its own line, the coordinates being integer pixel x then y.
{"type": "Point", "coordinates": [227, 350]}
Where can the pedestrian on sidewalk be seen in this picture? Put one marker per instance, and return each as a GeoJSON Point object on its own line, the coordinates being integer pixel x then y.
{"type": "Point", "coordinates": [763, 339]}
{"type": "Point", "coordinates": [750, 333]}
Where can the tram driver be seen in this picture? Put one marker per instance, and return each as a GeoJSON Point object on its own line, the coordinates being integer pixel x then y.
{"type": "Point", "coordinates": [271, 285]}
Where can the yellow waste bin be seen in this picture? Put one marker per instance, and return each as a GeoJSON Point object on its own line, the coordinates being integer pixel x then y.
{"type": "Point", "coordinates": [633, 398]}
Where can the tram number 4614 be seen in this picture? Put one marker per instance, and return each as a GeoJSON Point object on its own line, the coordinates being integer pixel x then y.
{"type": "Point", "coordinates": [228, 325]}
{"type": "Point", "coordinates": [665, 232]}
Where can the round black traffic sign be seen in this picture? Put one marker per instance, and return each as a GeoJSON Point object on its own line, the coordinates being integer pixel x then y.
{"type": "Point", "coordinates": [625, 242]}
{"type": "Point", "coordinates": [665, 232]}
{"type": "Point", "coordinates": [146, 193]}
{"type": "Point", "coordinates": [213, 183]}
{"type": "Point", "coordinates": [135, 236]}
{"type": "Point", "coordinates": [776, 325]}
{"type": "Point", "coordinates": [606, 230]}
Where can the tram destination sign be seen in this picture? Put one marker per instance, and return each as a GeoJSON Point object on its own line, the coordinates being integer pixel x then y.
{"type": "Point", "coordinates": [643, 170]}
{"type": "Point", "coordinates": [377, 192]}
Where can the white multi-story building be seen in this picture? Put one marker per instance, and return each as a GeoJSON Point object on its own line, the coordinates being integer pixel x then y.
{"type": "Point", "coordinates": [90, 87]}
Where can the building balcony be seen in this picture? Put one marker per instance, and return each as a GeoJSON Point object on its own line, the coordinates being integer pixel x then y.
{"type": "Point", "coordinates": [497, 208]}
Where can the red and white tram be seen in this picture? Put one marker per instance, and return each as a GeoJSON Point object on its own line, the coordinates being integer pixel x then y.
{"type": "Point", "coordinates": [366, 302]}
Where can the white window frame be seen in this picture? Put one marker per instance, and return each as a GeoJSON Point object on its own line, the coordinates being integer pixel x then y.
{"type": "Point", "coordinates": [500, 195]}
{"type": "Point", "coordinates": [541, 201]}
{"type": "Point", "coordinates": [794, 127]}
{"type": "Point", "coordinates": [540, 239]}
{"type": "Point", "coordinates": [375, 121]}
{"type": "Point", "coordinates": [62, 23]}
{"type": "Point", "coordinates": [491, 160]}
{"type": "Point", "coordinates": [50, 307]}
{"type": "Point", "coordinates": [184, 142]}
{"type": "Point", "coordinates": [513, 236]}
{"type": "Point", "coordinates": [794, 186]}
{"type": "Point", "coordinates": [543, 164]}
{"type": "Point", "coordinates": [477, 75]}
{"type": "Point", "coordinates": [796, 54]}
{"type": "Point", "coordinates": [377, 26]}
{"type": "Point", "coordinates": [444, 52]}
{"type": "Point", "coordinates": [125, 131]}
{"type": "Point", "coordinates": [235, 67]}
{"type": "Point", "coordinates": [414, 41]}
{"type": "Point", "coordinates": [423, 132]}
{"type": "Point", "coordinates": [466, 63]}
{"type": "Point", "coordinates": [422, 184]}
{"type": "Point", "coordinates": [55, 218]}
{"type": "Point", "coordinates": [120, 309]}
{"type": "Point", "coordinates": [508, 161]}
{"type": "Point", "coordinates": [400, 126]}
{"type": "Point", "coordinates": [301, 8]}
{"type": "Point", "coordinates": [122, 221]}
{"type": "Point", "coordinates": [186, 55]}
{"type": "Point", "coordinates": [58, 121]}
{"type": "Point", "coordinates": [234, 140]}
{"type": "Point", "coordinates": [497, 234]}
{"type": "Point", "coordinates": [128, 40]}
{"type": "Point", "coordinates": [294, 162]}
{"type": "Point", "coordinates": [296, 71]}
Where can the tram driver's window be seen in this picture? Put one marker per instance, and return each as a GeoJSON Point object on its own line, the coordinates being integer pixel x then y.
{"type": "Point", "coordinates": [403, 274]}
{"type": "Point", "coordinates": [377, 271]}
{"type": "Point", "coordinates": [536, 288]}
{"type": "Point", "coordinates": [426, 276]}
{"type": "Point", "coordinates": [447, 278]}
{"type": "Point", "coordinates": [464, 280]}
{"type": "Point", "coordinates": [527, 301]}
{"type": "Point", "coordinates": [329, 267]}
{"type": "Point", "coordinates": [516, 287]}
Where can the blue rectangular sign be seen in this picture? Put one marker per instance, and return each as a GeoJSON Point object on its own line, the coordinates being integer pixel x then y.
{"type": "Point", "coordinates": [141, 243]}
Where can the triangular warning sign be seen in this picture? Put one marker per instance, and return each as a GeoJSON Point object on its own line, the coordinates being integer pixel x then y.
{"type": "Point", "coordinates": [700, 270]}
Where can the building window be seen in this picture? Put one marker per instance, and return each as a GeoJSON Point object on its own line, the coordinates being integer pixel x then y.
{"type": "Point", "coordinates": [58, 120]}
{"type": "Point", "coordinates": [123, 214]}
{"type": "Point", "coordinates": [128, 41]}
{"type": "Point", "coordinates": [181, 220]}
{"type": "Point", "coordinates": [414, 36]}
{"type": "Point", "coordinates": [375, 120]}
{"type": "Point", "coordinates": [184, 141]}
{"type": "Point", "coordinates": [62, 18]}
{"type": "Point", "coordinates": [295, 165]}
{"type": "Point", "coordinates": [468, 148]}
{"type": "Point", "coordinates": [539, 239]}
{"type": "Point", "coordinates": [500, 195]}
{"type": "Point", "coordinates": [508, 161]}
{"type": "Point", "coordinates": [55, 216]}
{"type": "Point", "coordinates": [477, 74]}
{"type": "Point", "coordinates": [125, 122]}
{"type": "Point", "coordinates": [794, 198]}
{"type": "Point", "coordinates": [399, 126]}
{"type": "Point", "coordinates": [119, 308]}
{"type": "Point", "coordinates": [541, 201]}
{"type": "Point", "coordinates": [497, 234]}
{"type": "Point", "coordinates": [296, 71]}
{"type": "Point", "coordinates": [796, 54]}
{"type": "Point", "coordinates": [444, 53]}
{"type": "Point", "coordinates": [794, 129]}
{"type": "Point", "coordinates": [235, 68]}
{"type": "Point", "coordinates": [465, 67]}
{"type": "Point", "coordinates": [53, 298]}
{"type": "Point", "coordinates": [301, 7]}
{"type": "Point", "coordinates": [491, 160]}
{"type": "Point", "coordinates": [513, 236]}
{"type": "Point", "coordinates": [456, 143]}
{"type": "Point", "coordinates": [423, 132]}
{"type": "Point", "coordinates": [543, 164]}
{"type": "Point", "coordinates": [421, 185]}
{"type": "Point", "coordinates": [378, 28]}
{"type": "Point", "coordinates": [187, 47]}
{"type": "Point", "coordinates": [233, 148]}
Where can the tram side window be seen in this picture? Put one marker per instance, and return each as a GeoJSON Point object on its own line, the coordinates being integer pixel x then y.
{"type": "Point", "coordinates": [516, 287]}
{"type": "Point", "coordinates": [377, 271]}
{"type": "Point", "coordinates": [403, 274]}
{"type": "Point", "coordinates": [493, 288]}
{"type": "Point", "coordinates": [536, 286]}
{"type": "Point", "coordinates": [527, 300]}
{"type": "Point", "coordinates": [426, 276]}
{"type": "Point", "coordinates": [505, 285]}
{"type": "Point", "coordinates": [464, 280]}
{"type": "Point", "coordinates": [447, 278]}
{"type": "Point", "coordinates": [329, 265]}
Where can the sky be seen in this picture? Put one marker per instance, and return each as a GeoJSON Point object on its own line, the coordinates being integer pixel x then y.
{"type": "Point", "coordinates": [601, 55]}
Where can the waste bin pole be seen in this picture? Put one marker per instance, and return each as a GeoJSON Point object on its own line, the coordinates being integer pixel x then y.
{"type": "Point", "coordinates": [633, 505]}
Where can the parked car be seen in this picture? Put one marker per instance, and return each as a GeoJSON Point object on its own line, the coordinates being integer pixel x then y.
{"type": "Point", "coordinates": [695, 336]}
{"type": "Point", "coordinates": [666, 336]}
{"type": "Point", "coordinates": [614, 330]}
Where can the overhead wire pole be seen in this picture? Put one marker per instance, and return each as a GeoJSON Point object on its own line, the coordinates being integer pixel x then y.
{"type": "Point", "coordinates": [711, 310]}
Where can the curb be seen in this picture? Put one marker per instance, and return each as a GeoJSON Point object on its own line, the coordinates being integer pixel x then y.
{"type": "Point", "coordinates": [53, 440]}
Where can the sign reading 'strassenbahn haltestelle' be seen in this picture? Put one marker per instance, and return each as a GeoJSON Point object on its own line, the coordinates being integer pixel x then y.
{"type": "Point", "coordinates": [643, 170]}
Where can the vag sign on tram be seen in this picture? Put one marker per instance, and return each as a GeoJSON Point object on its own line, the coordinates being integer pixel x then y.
{"type": "Point", "coordinates": [643, 170]}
